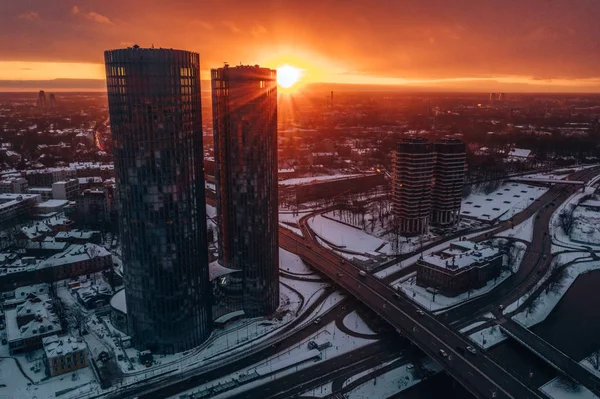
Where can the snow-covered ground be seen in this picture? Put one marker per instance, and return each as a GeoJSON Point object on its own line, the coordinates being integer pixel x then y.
{"type": "Point", "coordinates": [82, 380]}
{"type": "Point", "coordinates": [313, 179]}
{"type": "Point", "coordinates": [439, 302]}
{"type": "Point", "coordinates": [523, 231]}
{"type": "Point", "coordinates": [586, 229]}
{"type": "Point", "coordinates": [488, 337]}
{"type": "Point", "coordinates": [355, 323]}
{"type": "Point", "coordinates": [543, 305]}
{"type": "Point", "coordinates": [391, 382]}
{"type": "Point", "coordinates": [340, 343]}
{"type": "Point", "coordinates": [292, 263]}
{"type": "Point", "coordinates": [503, 203]}
{"type": "Point", "coordinates": [347, 237]}
{"type": "Point", "coordinates": [562, 388]}
{"type": "Point", "coordinates": [558, 235]}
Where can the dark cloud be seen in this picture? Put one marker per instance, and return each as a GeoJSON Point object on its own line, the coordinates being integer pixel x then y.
{"type": "Point", "coordinates": [415, 39]}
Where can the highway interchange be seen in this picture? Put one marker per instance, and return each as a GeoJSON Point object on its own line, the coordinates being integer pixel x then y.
{"type": "Point", "coordinates": [479, 373]}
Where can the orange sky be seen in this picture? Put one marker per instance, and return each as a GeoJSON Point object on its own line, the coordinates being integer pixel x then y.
{"type": "Point", "coordinates": [520, 45]}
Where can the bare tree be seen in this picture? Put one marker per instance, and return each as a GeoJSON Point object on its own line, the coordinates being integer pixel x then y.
{"type": "Point", "coordinates": [594, 359]}
{"type": "Point", "coordinates": [567, 219]}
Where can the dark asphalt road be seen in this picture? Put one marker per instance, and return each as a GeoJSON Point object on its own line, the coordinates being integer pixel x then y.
{"type": "Point", "coordinates": [483, 377]}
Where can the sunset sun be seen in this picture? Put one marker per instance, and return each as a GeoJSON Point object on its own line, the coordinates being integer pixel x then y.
{"type": "Point", "coordinates": [288, 76]}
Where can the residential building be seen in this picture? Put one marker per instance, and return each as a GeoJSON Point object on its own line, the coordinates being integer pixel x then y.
{"type": "Point", "coordinates": [29, 323]}
{"type": "Point", "coordinates": [14, 185]}
{"type": "Point", "coordinates": [76, 260]}
{"type": "Point", "coordinates": [66, 190]}
{"type": "Point", "coordinates": [14, 207]}
{"type": "Point", "coordinates": [160, 189]}
{"type": "Point", "coordinates": [94, 207]}
{"type": "Point", "coordinates": [64, 354]}
{"type": "Point", "coordinates": [448, 180]}
{"type": "Point", "coordinates": [46, 177]}
{"type": "Point", "coordinates": [413, 166]}
{"type": "Point", "coordinates": [464, 266]}
{"type": "Point", "coordinates": [244, 102]}
{"type": "Point", "coordinates": [45, 192]}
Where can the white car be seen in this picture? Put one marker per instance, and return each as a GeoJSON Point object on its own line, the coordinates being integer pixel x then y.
{"type": "Point", "coordinates": [443, 353]}
{"type": "Point", "coordinates": [472, 350]}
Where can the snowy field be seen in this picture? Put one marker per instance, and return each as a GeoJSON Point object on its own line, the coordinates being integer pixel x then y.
{"type": "Point", "coordinates": [586, 229]}
{"type": "Point", "coordinates": [347, 237]}
{"type": "Point", "coordinates": [314, 179]}
{"type": "Point", "coordinates": [503, 203]}
{"type": "Point", "coordinates": [558, 235]}
{"type": "Point", "coordinates": [291, 359]}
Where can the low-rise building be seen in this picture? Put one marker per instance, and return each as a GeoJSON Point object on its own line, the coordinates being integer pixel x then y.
{"type": "Point", "coordinates": [14, 185]}
{"type": "Point", "coordinates": [465, 265]}
{"type": "Point", "coordinates": [66, 190]}
{"type": "Point", "coordinates": [45, 192]}
{"type": "Point", "coordinates": [16, 206]}
{"type": "Point", "coordinates": [76, 260]}
{"type": "Point", "coordinates": [29, 323]}
{"type": "Point", "coordinates": [64, 354]}
{"type": "Point", "coordinates": [51, 207]}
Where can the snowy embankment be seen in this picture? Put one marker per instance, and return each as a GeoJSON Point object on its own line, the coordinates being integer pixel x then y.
{"type": "Point", "coordinates": [562, 388]}
{"type": "Point", "coordinates": [503, 203]}
{"type": "Point", "coordinates": [347, 237]}
{"type": "Point", "coordinates": [541, 307]}
{"type": "Point", "coordinates": [522, 231]}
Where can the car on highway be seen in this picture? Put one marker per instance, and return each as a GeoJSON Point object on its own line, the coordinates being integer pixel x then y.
{"type": "Point", "coordinates": [339, 274]}
{"type": "Point", "coordinates": [343, 262]}
{"type": "Point", "coordinates": [443, 353]}
{"type": "Point", "coordinates": [501, 307]}
{"type": "Point", "coordinates": [362, 273]}
{"type": "Point", "coordinates": [472, 350]}
{"type": "Point", "coordinates": [420, 312]}
{"type": "Point", "coordinates": [317, 320]}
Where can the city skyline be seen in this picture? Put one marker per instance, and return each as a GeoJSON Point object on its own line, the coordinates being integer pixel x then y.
{"type": "Point", "coordinates": [433, 45]}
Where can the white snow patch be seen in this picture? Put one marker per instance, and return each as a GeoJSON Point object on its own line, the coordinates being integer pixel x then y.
{"type": "Point", "coordinates": [523, 231]}
{"type": "Point", "coordinates": [488, 337]}
{"type": "Point", "coordinates": [355, 323]}
{"type": "Point", "coordinates": [346, 237]}
{"type": "Point", "coordinates": [506, 201]}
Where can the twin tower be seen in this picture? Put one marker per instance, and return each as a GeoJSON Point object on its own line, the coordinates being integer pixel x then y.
{"type": "Point", "coordinates": [156, 122]}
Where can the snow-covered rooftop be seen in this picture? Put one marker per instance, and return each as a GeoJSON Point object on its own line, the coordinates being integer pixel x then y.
{"type": "Point", "coordinates": [519, 153]}
{"type": "Point", "coordinates": [314, 179]}
{"type": "Point", "coordinates": [58, 347]}
{"type": "Point", "coordinates": [118, 301]}
{"type": "Point", "coordinates": [75, 253]}
{"type": "Point", "coordinates": [461, 254]}
{"type": "Point", "coordinates": [216, 270]}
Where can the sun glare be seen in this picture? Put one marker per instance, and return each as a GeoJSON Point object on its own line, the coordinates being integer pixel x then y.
{"type": "Point", "coordinates": [288, 76]}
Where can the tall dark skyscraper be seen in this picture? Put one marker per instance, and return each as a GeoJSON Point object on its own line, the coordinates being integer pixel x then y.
{"type": "Point", "coordinates": [411, 185]}
{"type": "Point", "coordinates": [245, 129]}
{"type": "Point", "coordinates": [155, 117]}
{"type": "Point", "coordinates": [448, 181]}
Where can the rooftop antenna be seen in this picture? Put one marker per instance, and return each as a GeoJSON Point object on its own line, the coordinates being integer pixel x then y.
{"type": "Point", "coordinates": [152, 45]}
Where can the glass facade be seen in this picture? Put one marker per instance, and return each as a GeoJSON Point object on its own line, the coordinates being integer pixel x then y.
{"type": "Point", "coordinates": [245, 133]}
{"type": "Point", "coordinates": [155, 116]}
